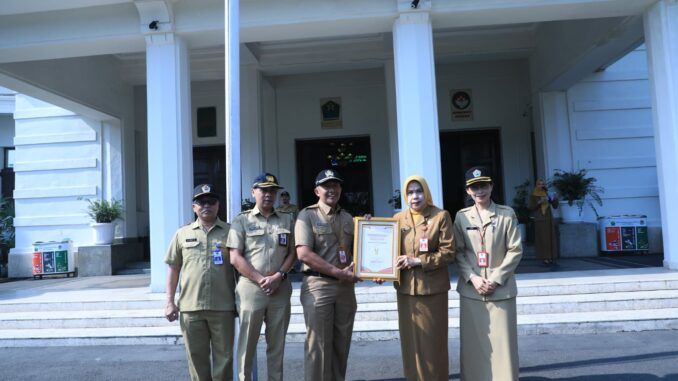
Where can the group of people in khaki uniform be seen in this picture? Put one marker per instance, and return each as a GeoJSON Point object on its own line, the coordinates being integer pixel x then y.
{"type": "Point", "coordinates": [265, 242]}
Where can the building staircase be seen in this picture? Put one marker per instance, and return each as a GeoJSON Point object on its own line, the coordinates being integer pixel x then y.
{"type": "Point", "coordinates": [120, 310]}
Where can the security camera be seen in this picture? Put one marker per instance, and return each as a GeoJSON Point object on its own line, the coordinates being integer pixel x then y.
{"type": "Point", "coordinates": [414, 4]}
{"type": "Point", "coordinates": [153, 25]}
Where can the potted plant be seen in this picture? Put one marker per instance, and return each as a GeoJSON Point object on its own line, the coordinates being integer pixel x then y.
{"type": "Point", "coordinates": [104, 213]}
{"type": "Point", "coordinates": [395, 200]}
{"type": "Point", "coordinates": [520, 207]}
{"type": "Point", "coordinates": [576, 189]}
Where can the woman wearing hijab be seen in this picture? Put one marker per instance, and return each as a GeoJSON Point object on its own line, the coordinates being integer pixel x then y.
{"type": "Point", "coordinates": [546, 241]}
{"type": "Point", "coordinates": [488, 251]}
{"type": "Point", "coordinates": [426, 248]}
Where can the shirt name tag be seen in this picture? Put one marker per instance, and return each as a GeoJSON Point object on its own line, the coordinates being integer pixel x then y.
{"type": "Point", "coordinates": [191, 240]}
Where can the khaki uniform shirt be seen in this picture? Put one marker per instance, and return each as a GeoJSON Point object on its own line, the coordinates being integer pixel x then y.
{"type": "Point", "coordinates": [291, 208]}
{"type": "Point", "coordinates": [433, 276]}
{"type": "Point", "coordinates": [325, 231]}
{"type": "Point", "coordinates": [204, 285]}
{"type": "Point", "coordinates": [259, 239]}
{"type": "Point", "coordinates": [502, 243]}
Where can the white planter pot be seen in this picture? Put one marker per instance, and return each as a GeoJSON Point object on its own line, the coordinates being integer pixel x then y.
{"type": "Point", "coordinates": [523, 232]}
{"type": "Point", "coordinates": [103, 232]}
{"type": "Point", "coordinates": [570, 214]}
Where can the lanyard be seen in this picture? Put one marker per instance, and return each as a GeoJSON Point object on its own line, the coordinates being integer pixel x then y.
{"type": "Point", "coordinates": [482, 230]}
{"type": "Point", "coordinates": [332, 222]}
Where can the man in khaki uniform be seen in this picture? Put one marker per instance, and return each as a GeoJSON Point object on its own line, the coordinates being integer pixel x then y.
{"type": "Point", "coordinates": [324, 234]}
{"type": "Point", "coordinates": [488, 251]}
{"type": "Point", "coordinates": [261, 247]}
{"type": "Point", "coordinates": [206, 300]}
{"type": "Point", "coordinates": [285, 205]}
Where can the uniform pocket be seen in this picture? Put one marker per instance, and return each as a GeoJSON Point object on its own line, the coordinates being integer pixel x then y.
{"type": "Point", "coordinates": [191, 250]}
{"type": "Point", "coordinates": [190, 245]}
{"type": "Point", "coordinates": [322, 229]}
{"type": "Point", "coordinates": [255, 233]}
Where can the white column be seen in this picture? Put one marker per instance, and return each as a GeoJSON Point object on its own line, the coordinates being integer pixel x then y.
{"type": "Point", "coordinates": [391, 112]}
{"type": "Point", "coordinates": [170, 156]}
{"type": "Point", "coordinates": [417, 110]}
{"type": "Point", "coordinates": [232, 107]}
{"type": "Point", "coordinates": [661, 34]}
{"type": "Point", "coordinates": [552, 124]}
{"type": "Point", "coordinates": [251, 142]}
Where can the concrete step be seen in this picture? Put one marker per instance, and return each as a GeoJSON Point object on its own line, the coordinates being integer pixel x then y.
{"type": "Point", "coordinates": [150, 314]}
{"type": "Point", "coordinates": [528, 291]}
{"type": "Point", "coordinates": [577, 322]}
{"type": "Point", "coordinates": [84, 319]}
{"type": "Point", "coordinates": [66, 313]}
{"type": "Point", "coordinates": [132, 271]}
{"type": "Point", "coordinates": [133, 268]}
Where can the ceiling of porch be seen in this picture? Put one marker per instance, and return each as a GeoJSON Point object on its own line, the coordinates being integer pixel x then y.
{"type": "Point", "coordinates": [346, 35]}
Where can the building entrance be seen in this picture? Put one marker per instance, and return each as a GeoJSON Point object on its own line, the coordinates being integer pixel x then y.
{"type": "Point", "coordinates": [460, 150]}
{"type": "Point", "coordinates": [209, 167]}
{"type": "Point", "coordinates": [351, 157]}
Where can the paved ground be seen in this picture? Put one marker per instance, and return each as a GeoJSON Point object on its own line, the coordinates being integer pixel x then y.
{"type": "Point", "coordinates": [642, 356]}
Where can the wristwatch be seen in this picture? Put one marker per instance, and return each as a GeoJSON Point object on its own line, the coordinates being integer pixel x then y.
{"type": "Point", "coordinates": [283, 274]}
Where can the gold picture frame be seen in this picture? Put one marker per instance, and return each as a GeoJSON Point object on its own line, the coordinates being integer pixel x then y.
{"type": "Point", "coordinates": [376, 247]}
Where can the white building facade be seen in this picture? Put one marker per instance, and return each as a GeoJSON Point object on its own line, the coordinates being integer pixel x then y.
{"type": "Point", "coordinates": [123, 99]}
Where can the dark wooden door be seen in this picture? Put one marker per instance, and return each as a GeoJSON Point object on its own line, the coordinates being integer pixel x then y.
{"type": "Point", "coordinates": [461, 150]}
{"type": "Point", "coordinates": [209, 167]}
{"type": "Point", "coordinates": [351, 157]}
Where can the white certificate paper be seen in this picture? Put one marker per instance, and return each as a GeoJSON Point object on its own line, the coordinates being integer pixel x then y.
{"type": "Point", "coordinates": [376, 247]}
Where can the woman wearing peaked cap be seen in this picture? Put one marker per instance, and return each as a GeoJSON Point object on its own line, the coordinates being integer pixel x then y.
{"type": "Point", "coordinates": [426, 247]}
{"type": "Point", "coordinates": [488, 251]}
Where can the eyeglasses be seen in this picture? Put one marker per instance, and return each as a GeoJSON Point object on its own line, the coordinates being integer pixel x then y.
{"type": "Point", "coordinates": [205, 201]}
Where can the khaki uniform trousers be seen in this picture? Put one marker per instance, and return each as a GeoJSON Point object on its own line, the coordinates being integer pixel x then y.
{"type": "Point", "coordinates": [422, 321]}
{"type": "Point", "coordinates": [329, 312]}
{"type": "Point", "coordinates": [488, 340]}
{"type": "Point", "coordinates": [200, 328]}
{"type": "Point", "coordinates": [255, 308]}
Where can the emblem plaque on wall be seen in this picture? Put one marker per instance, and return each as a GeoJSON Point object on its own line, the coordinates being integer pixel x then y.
{"type": "Point", "coordinates": [330, 112]}
{"type": "Point", "coordinates": [462, 105]}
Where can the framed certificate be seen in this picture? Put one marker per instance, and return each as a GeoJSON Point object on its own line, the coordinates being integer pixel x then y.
{"type": "Point", "coordinates": [376, 247]}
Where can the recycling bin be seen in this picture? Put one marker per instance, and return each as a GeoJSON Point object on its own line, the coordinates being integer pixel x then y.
{"type": "Point", "coordinates": [624, 233]}
{"type": "Point", "coordinates": [50, 258]}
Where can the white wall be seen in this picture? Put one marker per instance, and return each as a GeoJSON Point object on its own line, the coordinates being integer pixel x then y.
{"type": "Point", "coordinates": [500, 91]}
{"type": "Point", "coordinates": [363, 99]}
{"type": "Point", "coordinates": [611, 136]}
{"type": "Point", "coordinates": [91, 87]}
{"type": "Point", "coordinates": [61, 158]}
